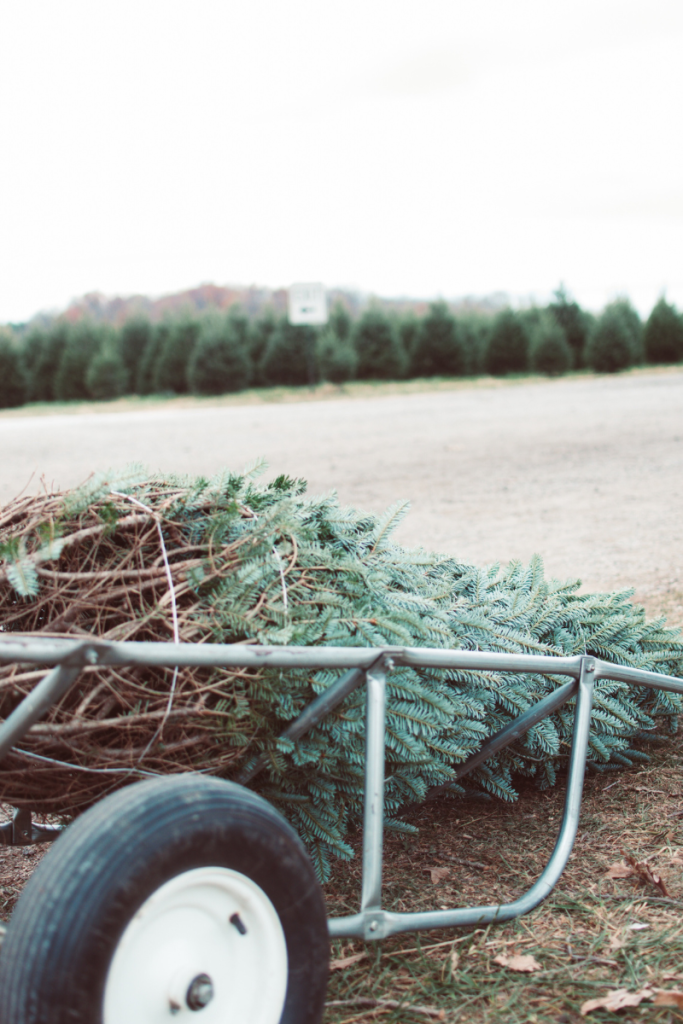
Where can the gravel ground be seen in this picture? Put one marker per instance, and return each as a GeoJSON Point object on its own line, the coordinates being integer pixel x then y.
{"type": "Point", "coordinates": [586, 471]}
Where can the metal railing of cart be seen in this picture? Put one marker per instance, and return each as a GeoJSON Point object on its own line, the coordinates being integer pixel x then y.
{"type": "Point", "coordinates": [364, 666]}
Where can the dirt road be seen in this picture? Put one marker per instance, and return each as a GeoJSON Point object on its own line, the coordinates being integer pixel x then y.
{"type": "Point", "coordinates": [586, 471]}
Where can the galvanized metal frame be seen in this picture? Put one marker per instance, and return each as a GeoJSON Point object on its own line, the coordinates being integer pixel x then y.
{"type": "Point", "coordinates": [369, 666]}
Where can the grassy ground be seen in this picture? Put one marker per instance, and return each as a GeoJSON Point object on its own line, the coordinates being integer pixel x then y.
{"type": "Point", "coordinates": [318, 393]}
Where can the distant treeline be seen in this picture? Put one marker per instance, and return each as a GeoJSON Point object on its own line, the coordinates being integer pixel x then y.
{"type": "Point", "coordinates": [216, 353]}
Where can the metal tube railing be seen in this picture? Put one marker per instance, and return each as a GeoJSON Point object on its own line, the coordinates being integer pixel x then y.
{"type": "Point", "coordinates": [314, 713]}
{"type": "Point", "coordinates": [33, 707]}
{"type": "Point", "coordinates": [369, 665]}
{"type": "Point", "coordinates": [162, 655]}
{"type": "Point", "coordinates": [512, 731]}
{"type": "Point", "coordinates": [373, 798]}
{"type": "Point", "coordinates": [379, 924]}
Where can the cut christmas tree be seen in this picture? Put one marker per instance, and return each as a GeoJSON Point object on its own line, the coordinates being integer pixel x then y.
{"type": "Point", "coordinates": [264, 563]}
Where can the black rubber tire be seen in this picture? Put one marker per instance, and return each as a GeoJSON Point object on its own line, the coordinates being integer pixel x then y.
{"type": "Point", "coordinates": [75, 907]}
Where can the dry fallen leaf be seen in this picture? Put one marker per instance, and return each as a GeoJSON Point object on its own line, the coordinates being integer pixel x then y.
{"type": "Point", "coordinates": [438, 874]}
{"type": "Point", "coordinates": [518, 962]}
{"type": "Point", "coordinates": [455, 959]}
{"type": "Point", "coordinates": [646, 874]}
{"type": "Point", "coordinates": [617, 999]}
{"type": "Point", "coordinates": [615, 943]}
{"type": "Point", "coordinates": [619, 870]}
{"type": "Point", "coordinates": [674, 997]}
{"type": "Point", "coordinates": [346, 961]}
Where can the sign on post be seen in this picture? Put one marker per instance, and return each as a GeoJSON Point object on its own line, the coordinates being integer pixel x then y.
{"type": "Point", "coordinates": [307, 304]}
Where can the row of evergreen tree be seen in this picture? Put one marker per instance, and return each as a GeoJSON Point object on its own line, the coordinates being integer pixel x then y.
{"type": "Point", "coordinates": [219, 353]}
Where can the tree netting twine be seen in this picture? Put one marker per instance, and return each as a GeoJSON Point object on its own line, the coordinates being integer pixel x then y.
{"type": "Point", "coordinates": [263, 563]}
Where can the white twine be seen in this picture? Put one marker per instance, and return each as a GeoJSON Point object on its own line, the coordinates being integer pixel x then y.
{"type": "Point", "coordinates": [279, 563]}
{"type": "Point", "coordinates": [174, 606]}
{"type": "Point", "coordinates": [282, 577]}
{"type": "Point", "coordinates": [174, 612]}
{"type": "Point", "coordinates": [80, 768]}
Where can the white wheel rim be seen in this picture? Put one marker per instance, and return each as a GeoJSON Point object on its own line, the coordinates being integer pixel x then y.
{"type": "Point", "coordinates": [182, 958]}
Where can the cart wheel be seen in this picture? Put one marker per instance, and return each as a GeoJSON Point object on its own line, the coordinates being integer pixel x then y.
{"type": "Point", "coordinates": [178, 896]}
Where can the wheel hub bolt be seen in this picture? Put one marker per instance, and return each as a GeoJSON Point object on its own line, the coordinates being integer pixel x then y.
{"type": "Point", "coordinates": [238, 923]}
{"type": "Point", "coordinates": [200, 992]}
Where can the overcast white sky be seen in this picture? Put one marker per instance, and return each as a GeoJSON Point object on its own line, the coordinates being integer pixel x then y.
{"type": "Point", "coordinates": [421, 148]}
